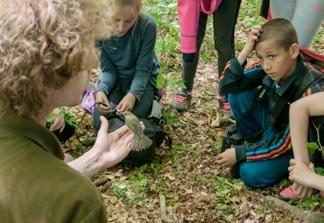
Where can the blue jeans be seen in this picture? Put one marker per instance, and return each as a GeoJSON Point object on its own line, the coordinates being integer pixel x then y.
{"type": "Point", "coordinates": [260, 173]}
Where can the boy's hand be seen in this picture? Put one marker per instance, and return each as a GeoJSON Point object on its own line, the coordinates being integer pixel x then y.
{"type": "Point", "coordinates": [127, 103]}
{"type": "Point", "coordinates": [253, 38]}
{"type": "Point", "coordinates": [250, 44]}
{"type": "Point", "coordinates": [227, 158]}
{"type": "Point", "coordinates": [102, 102]}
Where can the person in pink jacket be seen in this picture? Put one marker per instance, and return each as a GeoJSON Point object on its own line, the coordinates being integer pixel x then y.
{"type": "Point", "coordinates": [193, 16]}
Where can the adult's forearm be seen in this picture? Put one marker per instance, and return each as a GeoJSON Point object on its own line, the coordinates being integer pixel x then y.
{"type": "Point", "coordinates": [86, 164]}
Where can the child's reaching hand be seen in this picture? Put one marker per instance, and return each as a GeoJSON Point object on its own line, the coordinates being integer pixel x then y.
{"type": "Point", "coordinates": [127, 103]}
{"type": "Point", "coordinates": [58, 124]}
{"type": "Point", "coordinates": [227, 158]}
{"type": "Point", "coordinates": [250, 44]}
{"type": "Point", "coordinates": [102, 102]}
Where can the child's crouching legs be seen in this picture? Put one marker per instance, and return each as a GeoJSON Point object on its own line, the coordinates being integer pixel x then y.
{"type": "Point", "coordinates": [265, 173]}
{"type": "Point", "coordinates": [248, 122]}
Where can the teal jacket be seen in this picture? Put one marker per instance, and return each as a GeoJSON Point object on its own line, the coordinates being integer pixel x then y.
{"type": "Point", "coordinates": [130, 58]}
{"type": "Point", "coordinates": [236, 80]}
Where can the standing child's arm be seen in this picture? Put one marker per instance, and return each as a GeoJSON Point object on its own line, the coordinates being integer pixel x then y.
{"type": "Point", "coordinates": [299, 114]}
{"type": "Point", "coordinates": [305, 175]}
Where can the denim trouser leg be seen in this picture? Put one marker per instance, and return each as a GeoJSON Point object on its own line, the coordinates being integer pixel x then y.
{"type": "Point", "coordinates": [248, 124]}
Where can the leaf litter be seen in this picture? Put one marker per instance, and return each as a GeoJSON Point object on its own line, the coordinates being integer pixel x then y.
{"type": "Point", "coordinates": [184, 184]}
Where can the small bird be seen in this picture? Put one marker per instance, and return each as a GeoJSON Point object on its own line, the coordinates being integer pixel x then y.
{"type": "Point", "coordinates": [141, 141]}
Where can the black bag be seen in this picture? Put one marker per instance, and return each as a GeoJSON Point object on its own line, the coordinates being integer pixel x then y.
{"type": "Point", "coordinates": [153, 129]}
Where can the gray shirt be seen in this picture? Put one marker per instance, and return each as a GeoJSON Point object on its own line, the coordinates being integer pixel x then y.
{"type": "Point", "coordinates": [130, 58]}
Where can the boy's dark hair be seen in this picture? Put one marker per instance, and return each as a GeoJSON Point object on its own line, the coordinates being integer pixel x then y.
{"type": "Point", "coordinates": [281, 30]}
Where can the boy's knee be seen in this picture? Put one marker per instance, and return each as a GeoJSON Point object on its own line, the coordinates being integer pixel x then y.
{"type": "Point", "coordinates": [232, 98]}
{"type": "Point", "coordinates": [265, 173]}
{"type": "Point", "coordinates": [237, 100]}
{"type": "Point", "coordinates": [256, 176]}
{"type": "Point", "coordinates": [242, 100]}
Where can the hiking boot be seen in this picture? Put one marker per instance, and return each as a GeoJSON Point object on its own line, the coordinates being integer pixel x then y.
{"type": "Point", "coordinates": [182, 101]}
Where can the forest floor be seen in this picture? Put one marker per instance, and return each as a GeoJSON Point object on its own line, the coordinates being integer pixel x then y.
{"type": "Point", "coordinates": [184, 183]}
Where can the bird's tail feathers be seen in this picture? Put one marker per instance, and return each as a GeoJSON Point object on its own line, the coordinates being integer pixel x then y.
{"type": "Point", "coordinates": [141, 143]}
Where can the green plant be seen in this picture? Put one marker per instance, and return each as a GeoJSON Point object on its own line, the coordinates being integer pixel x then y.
{"type": "Point", "coordinates": [68, 116]}
{"type": "Point", "coordinates": [309, 203]}
{"type": "Point", "coordinates": [319, 170]}
{"type": "Point", "coordinates": [207, 96]}
{"type": "Point", "coordinates": [312, 147]}
{"type": "Point", "coordinates": [124, 190]}
{"type": "Point", "coordinates": [170, 116]}
{"type": "Point", "coordinates": [283, 183]}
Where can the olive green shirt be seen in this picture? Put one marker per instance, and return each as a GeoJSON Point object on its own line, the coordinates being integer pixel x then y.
{"type": "Point", "coordinates": [36, 186]}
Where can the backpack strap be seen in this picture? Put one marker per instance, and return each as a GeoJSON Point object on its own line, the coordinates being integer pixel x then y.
{"type": "Point", "coordinates": [295, 92]}
{"type": "Point", "coordinates": [287, 98]}
{"type": "Point", "coordinates": [313, 59]}
{"type": "Point", "coordinates": [260, 96]}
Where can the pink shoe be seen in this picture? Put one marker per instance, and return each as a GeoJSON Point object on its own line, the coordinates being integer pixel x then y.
{"type": "Point", "coordinates": [223, 103]}
{"type": "Point", "coordinates": [227, 107]}
{"type": "Point", "coordinates": [288, 194]}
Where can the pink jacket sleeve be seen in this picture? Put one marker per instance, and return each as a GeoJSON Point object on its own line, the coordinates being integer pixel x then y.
{"type": "Point", "coordinates": [188, 15]}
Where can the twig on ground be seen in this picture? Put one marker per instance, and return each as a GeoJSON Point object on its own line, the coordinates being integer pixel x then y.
{"type": "Point", "coordinates": [306, 216]}
{"type": "Point", "coordinates": [163, 211]}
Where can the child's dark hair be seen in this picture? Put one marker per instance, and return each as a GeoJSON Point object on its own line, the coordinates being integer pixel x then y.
{"type": "Point", "coordinates": [281, 30]}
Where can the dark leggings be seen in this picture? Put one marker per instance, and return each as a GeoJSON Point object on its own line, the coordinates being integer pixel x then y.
{"type": "Point", "coordinates": [141, 108]}
{"type": "Point", "coordinates": [224, 21]}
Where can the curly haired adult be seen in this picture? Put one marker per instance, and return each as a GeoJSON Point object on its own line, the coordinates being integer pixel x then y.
{"type": "Point", "coordinates": [42, 45]}
{"type": "Point", "coordinates": [46, 50]}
